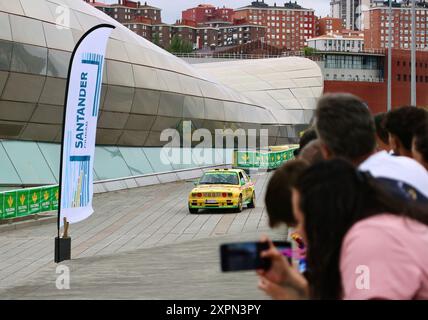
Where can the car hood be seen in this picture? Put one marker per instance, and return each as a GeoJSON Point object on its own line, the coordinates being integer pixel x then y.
{"type": "Point", "coordinates": [214, 188]}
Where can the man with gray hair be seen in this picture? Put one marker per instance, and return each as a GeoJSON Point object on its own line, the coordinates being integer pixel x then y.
{"type": "Point", "coordinates": [346, 129]}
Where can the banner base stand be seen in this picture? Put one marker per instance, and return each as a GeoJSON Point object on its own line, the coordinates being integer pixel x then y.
{"type": "Point", "coordinates": [62, 249]}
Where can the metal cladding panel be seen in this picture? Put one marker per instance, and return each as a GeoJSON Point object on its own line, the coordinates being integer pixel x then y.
{"type": "Point", "coordinates": [139, 78]}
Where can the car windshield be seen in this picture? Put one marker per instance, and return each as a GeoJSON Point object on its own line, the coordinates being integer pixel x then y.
{"type": "Point", "coordinates": [219, 178]}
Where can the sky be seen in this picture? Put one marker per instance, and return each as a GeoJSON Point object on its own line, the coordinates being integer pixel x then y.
{"type": "Point", "coordinates": [171, 9]}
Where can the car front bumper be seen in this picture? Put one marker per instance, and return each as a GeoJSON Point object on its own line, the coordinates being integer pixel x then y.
{"type": "Point", "coordinates": [220, 204]}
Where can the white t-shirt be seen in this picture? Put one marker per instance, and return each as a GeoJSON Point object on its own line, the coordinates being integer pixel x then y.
{"type": "Point", "coordinates": [404, 169]}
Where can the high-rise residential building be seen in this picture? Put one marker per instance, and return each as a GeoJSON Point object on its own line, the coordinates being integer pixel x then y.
{"type": "Point", "coordinates": [205, 13]}
{"type": "Point", "coordinates": [204, 36]}
{"type": "Point", "coordinates": [126, 11]}
{"type": "Point", "coordinates": [376, 31]}
{"type": "Point", "coordinates": [216, 28]}
{"type": "Point", "coordinates": [350, 11]}
{"type": "Point", "coordinates": [328, 25]}
{"type": "Point", "coordinates": [288, 26]}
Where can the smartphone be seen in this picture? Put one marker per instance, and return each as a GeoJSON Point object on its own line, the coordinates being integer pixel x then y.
{"type": "Point", "coordinates": [243, 256]}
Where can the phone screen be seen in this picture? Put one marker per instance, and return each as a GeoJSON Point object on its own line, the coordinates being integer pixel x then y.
{"type": "Point", "coordinates": [246, 255]}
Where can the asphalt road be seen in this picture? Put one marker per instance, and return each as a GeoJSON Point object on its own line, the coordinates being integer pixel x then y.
{"type": "Point", "coordinates": [139, 244]}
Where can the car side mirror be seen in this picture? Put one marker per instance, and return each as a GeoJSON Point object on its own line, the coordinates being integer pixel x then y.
{"type": "Point", "coordinates": [196, 182]}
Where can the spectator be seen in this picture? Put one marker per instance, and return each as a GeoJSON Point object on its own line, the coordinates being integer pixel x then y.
{"type": "Point", "coordinates": [382, 137]}
{"type": "Point", "coordinates": [346, 129]}
{"type": "Point", "coordinates": [420, 145]}
{"type": "Point", "coordinates": [312, 152]}
{"type": "Point", "coordinates": [401, 124]}
{"type": "Point", "coordinates": [278, 193]}
{"type": "Point", "coordinates": [347, 223]}
{"type": "Point", "coordinates": [308, 136]}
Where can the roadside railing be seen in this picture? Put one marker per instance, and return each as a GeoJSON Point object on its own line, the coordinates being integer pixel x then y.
{"type": "Point", "coordinates": [233, 56]}
{"type": "Point", "coordinates": [266, 160]}
{"type": "Point", "coordinates": [30, 201]}
{"type": "Point", "coordinates": [314, 55]}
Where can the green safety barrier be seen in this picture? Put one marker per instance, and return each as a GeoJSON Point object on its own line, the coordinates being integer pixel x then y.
{"type": "Point", "coordinates": [25, 202]}
{"type": "Point", "coordinates": [262, 159]}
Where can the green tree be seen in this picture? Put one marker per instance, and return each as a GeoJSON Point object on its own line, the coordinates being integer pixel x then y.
{"type": "Point", "coordinates": [156, 39]}
{"type": "Point", "coordinates": [308, 51]}
{"type": "Point", "coordinates": [179, 45]}
{"type": "Point", "coordinates": [175, 45]}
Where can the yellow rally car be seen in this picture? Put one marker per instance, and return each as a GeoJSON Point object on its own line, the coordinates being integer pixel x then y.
{"type": "Point", "coordinates": [223, 189]}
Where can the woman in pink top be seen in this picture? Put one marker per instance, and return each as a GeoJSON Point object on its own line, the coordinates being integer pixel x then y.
{"type": "Point", "coordinates": [361, 242]}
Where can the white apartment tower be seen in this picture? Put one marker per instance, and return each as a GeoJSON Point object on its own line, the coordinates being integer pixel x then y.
{"type": "Point", "coordinates": [350, 11]}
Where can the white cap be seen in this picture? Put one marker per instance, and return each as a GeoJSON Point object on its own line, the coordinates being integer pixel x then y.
{"type": "Point", "coordinates": [403, 169]}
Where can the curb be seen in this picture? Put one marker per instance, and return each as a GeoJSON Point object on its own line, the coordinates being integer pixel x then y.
{"type": "Point", "coordinates": [28, 223]}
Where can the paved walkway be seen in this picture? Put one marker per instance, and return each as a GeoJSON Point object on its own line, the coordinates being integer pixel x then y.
{"type": "Point", "coordinates": [127, 221]}
{"type": "Point", "coordinates": [188, 270]}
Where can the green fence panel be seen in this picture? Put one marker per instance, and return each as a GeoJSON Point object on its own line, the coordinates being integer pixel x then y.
{"type": "Point", "coordinates": [25, 202]}
{"type": "Point", "coordinates": [55, 198]}
{"type": "Point", "coordinates": [10, 205]}
{"type": "Point", "coordinates": [1, 205]}
{"type": "Point", "coordinates": [246, 159]}
{"type": "Point", "coordinates": [46, 202]}
{"type": "Point", "coordinates": [34, 201]}
{"type": "Point", "coordinates": [262, 160]}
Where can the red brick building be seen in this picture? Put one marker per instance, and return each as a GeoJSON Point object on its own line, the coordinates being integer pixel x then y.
{"type": "Point", "coordinates": [141, 26]}
{"type": "Point", "coordinates": [220, 35]}
{"type": "Point", "coordinates": [328, 25]}
{"type": "Point", "coordinates": [288, 26]}
{"type": "Point", "coordinates": [216, 28]}
{"type": "Point", "coordinates": [375, 93]}
{"type": "Point", "coordinates": [206, 12]}
{"type": "Point", "coordinates": [377, 28]}
{"type": "Point", "coordinates": [126, 11]}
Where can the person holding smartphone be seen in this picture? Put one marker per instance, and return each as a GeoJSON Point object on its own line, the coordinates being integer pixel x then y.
{"type": "Point", "coordinates": [278, 203]}
{"type": "Point", "coordinates": [349, 224]}
{"type": "Point", "coordinates": [281, 281]}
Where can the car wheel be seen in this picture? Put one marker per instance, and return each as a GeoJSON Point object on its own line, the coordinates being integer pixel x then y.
{"type": "Point", "coordinates": [239, 209]}
{"type": "Point", "coordinates": [193, 210]}
{"type": "Point", "coordinates": [252, 204]}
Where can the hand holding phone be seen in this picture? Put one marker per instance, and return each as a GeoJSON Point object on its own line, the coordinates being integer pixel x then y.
{"type": "Point", "coordinates": [247, 255]}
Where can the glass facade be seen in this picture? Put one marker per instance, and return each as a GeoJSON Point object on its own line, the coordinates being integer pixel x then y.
{"type": "Point", "coordinates": [353, 62]}
{"type": "Point", "coordinates": [25, 163]}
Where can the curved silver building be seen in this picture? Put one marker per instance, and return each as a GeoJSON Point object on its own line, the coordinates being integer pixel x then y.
{"type": "Point", "coordinates": [145, 89]}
